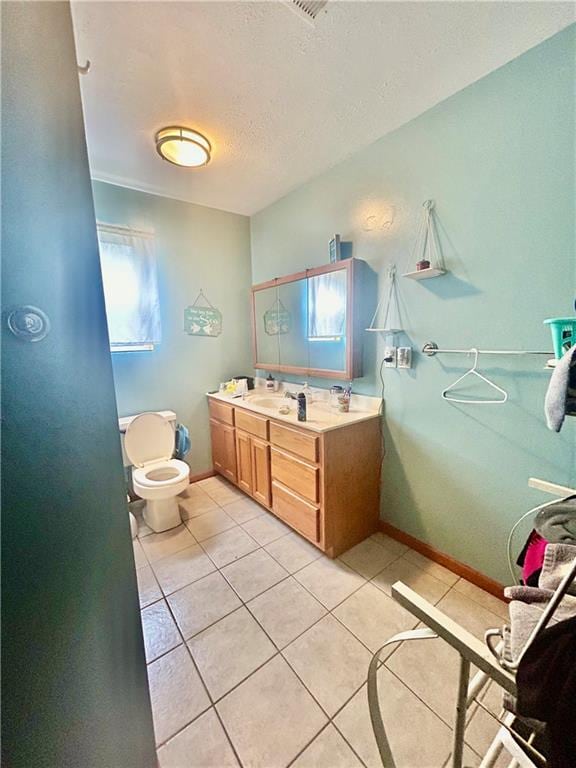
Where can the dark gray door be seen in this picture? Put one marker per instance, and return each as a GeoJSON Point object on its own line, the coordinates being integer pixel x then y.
{"type": "Point", "coordinates": [74, 688]}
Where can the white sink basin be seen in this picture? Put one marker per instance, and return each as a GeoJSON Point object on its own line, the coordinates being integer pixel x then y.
{"type": "Point", "coordinates": [267, 402]}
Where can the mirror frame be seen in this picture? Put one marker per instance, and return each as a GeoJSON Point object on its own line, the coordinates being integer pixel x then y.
{"type": "Point", "coordinates": [353, 367]}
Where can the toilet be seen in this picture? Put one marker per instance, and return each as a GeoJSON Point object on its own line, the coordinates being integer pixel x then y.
{"type": "Point", "coordinates": [156, 477]}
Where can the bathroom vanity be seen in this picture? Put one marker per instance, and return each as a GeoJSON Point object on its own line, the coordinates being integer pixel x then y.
{"type": "Point", "coordinates": [321, 477]}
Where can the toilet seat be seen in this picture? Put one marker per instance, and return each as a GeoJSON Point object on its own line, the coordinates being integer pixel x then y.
{"type": "Point", "coordinates": [149, 439]}
{"type": "Point", "coordinates": [176, 469]}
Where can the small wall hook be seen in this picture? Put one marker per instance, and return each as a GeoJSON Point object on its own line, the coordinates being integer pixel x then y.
{"type": "Point", "coordinates": [83, 70]}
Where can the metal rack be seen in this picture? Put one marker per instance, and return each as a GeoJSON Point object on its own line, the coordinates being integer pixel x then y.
{"type": "Point", "coordinates": [431, 348]}
{"type": "Point", "coordinates": [471, 650]}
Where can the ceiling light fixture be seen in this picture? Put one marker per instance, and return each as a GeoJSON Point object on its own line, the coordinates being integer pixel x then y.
{"type": "Point", "coordinates": [183, 146]}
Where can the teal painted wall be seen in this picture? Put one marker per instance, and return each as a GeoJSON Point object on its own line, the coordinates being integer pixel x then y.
{"type": "Point", "coordinates": [498, 159]}
{"type": "Point", "coordinates": [196, 248]}
{"type": "Point", "coordinates": [74, 686]}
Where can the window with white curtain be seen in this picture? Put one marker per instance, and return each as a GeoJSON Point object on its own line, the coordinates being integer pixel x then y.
{"type": "Point", "coordinates": [128, 266]}
{"type": "Point", "coordinates": [327, 306]}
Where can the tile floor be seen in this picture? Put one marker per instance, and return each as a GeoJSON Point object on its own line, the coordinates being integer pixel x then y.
{"type": "Point", "coordinates": [258, 646]}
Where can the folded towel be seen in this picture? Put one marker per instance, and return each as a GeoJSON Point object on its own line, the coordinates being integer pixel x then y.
{"type": "Point", "coordinates": [560, 398]}
{"type": "Point", "coordinates": [557, 522]}
{"type": "Point", "coordinates": [526, 608]}
{"type": "Point", "coordinates": [558, 560]}
{"type": "Point", "coordinates": [528, 595]}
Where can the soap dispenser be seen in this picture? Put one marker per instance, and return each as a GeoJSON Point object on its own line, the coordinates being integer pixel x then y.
{"type": "Point", "coordinates": [270, 383]}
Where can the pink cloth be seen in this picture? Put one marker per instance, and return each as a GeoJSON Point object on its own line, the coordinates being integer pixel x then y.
{"type": "Point", "coordinates": [534, 556]}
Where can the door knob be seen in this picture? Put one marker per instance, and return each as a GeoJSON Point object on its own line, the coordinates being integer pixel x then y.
{"type": "Point", "coordinates": [28, 323]}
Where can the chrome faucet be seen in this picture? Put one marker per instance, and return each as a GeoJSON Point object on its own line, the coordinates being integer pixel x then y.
{"type": "Point", "coordinates": [305, 390]}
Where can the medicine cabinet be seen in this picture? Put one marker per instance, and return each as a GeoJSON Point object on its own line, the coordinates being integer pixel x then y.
{"type": "Point", "coordinates": [310, 323]}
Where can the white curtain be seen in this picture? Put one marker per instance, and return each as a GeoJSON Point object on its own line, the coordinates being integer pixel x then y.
{"type": "Point", "coordinates": [327, 305]}
{"type": "Point", "coordinates": [130, 287]}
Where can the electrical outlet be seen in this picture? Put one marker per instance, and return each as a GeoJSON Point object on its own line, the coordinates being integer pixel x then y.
{"type": "Point", "coordinates": [389, 357]}
{"type": "Point", "coordinates": [404, 357]}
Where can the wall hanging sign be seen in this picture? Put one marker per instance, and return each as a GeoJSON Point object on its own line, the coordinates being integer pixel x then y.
{"type": "Point", "coordinates": [277, 319]}
{"type": "Point", "coordinates": [202, 318]}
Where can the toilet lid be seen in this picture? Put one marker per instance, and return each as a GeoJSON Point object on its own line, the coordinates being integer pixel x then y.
{"type": "Point", "coordinates": [148, 438]}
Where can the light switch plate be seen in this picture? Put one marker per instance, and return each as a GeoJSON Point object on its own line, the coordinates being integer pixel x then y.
{"type": "Point", "coordinates": [404, 357]}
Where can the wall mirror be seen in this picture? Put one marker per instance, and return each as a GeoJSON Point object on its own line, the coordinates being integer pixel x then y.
{"type": "Point", "coordinates": [310, 323]}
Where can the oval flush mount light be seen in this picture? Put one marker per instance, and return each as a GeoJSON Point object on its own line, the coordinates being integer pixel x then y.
{"type": "Point", "coordinates": [183, 146]}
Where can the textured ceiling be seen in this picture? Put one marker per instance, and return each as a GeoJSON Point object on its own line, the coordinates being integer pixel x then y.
{"type": "Point", "coordinates": [279, 99]}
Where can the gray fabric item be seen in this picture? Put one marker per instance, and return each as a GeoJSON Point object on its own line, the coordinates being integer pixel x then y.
{"type": "Point", "coordinates": [524, 615]}
{"type": "Point", "coordinates": [557, 522]}
{"type": "Point", "coordinates": [560, 400]}
{"type": "Point", "coordinates": [558, 558]}
{"type": "Point", "coordinates": [528, 594]}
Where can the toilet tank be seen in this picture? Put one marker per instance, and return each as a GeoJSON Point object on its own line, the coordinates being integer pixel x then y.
{"type": "Point", "coordinates": [124, 421]}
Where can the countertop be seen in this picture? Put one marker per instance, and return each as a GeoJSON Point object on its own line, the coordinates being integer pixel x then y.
{"type": "Point", "coordinates": [321, 417]}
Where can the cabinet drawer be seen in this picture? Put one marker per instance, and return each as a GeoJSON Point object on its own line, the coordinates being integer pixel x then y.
{"type": "Point", "coordinates": [295, 474]}
{"type": "Point", "coordinates": [249, 422]}
{"type": "Point", "coordinates": [294, 440]}
{"type": "Point", "coordinates": [221, 412]}
{"type": "Point", "coordinates": [302, 516]}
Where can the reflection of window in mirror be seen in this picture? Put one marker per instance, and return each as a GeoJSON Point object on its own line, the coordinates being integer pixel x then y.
{"type": "Point", "coordinates": [327, 306]}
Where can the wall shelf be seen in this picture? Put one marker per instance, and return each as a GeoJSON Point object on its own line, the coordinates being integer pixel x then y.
{"type": "Point", "coordinates": [425, 274]}
{"type": "Point", "coordinates": [384, 330]}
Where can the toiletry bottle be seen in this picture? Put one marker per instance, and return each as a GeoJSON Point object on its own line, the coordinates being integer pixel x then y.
{"type": "Point", "coordinates": [270, 382]}
{"type": "Point", "coordinates": [301, 406]}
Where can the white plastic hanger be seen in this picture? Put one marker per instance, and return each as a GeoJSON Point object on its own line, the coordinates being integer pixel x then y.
{"type": "Point", "coordinates": [474, 372]}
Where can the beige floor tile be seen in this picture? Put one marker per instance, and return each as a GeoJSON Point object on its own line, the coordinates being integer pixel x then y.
{"type": "Point", "coordinates": [266, 529]}
{"type": "Point", "coordinates": [286, 610]}
{"type": "Point", "coordinates": [430, 588]}
{"type": "Point", "coordinates": [137, 508]}
{"type": "Point", "coordinates": [470, 614]}
{"type": "Point", "coordinates": [481, 730]}
{"type": "Point", "coordinates": [328, 750]}
{"type": "Point", "coordinates": [330, 581]}
{"type": "Point", "coordinates": [182, 568]}
{"type": "Point", "coordinates": [243, 510]}
{"type": "Point", "coordinates": [140, 559]}
{"type": "Point", "coordinates": [430, 669]}
{"type": "Point", "coordinates": [159, 545]}
{"type": "Point", "coordinates": [293, 552]}
{"type": "Point", "coordinates": [330, 661]}
{"type": "Point", "coordinates": [198, 503]}
{"type": "Point", "coordinates": [253, 574]}
{"type": "Point", "coordinates": [485, 599]}
{"type": "Point", "coordinates": [396, 547]}
{"type": "Point", "coordinates": [209, 524]}
{"type": "Point", "coordinates": [229, 546]}
{"type": "Point", "coordinates": [148, 589]}
{"type": "Point", "coordinates": [176, 693]}
{"type": "Point", "coordinates": [230, 650]}
{"type": "Point", "coordinates": [373, 617]}
{"type": "Point", "coordinates": [368, 558]}
{"type": "Point", "coordinates": [221, 490]}
{"type": "Point", "coordinates": [270, 717]}
{"type": "Point", "coordinates": [418, 738]}
{"type": "Point", "coordinates": [434, 569]}
{"type": "Point", "coordinates": [202, 603]}
{"type": "Point", "coordinates": [160, 631]}
{"type": "Point", "coordinates": [202, 744]}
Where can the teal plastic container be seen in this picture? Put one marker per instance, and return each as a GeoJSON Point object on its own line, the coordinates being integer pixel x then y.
{"type": "Point", "coordinates": [563, 334]}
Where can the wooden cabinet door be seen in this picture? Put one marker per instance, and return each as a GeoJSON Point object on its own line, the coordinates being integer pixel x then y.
{"type": "Point", "coordinates": [260, 471]}
{"type": "Point", "coordinates": [244, 461]}
{"type": "Point", "coordinates": [223, 449]}
{"type": "Point", "coordinates": [230, 458]}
